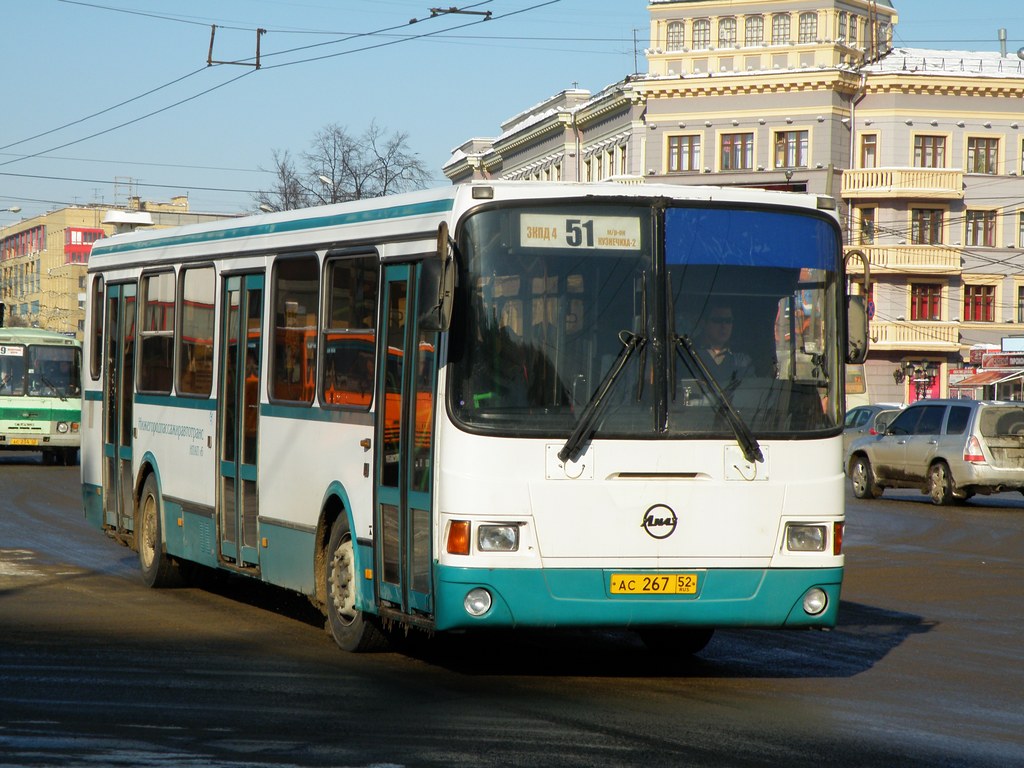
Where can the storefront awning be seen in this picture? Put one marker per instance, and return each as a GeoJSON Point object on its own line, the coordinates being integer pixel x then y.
{"type": "Point", "coordinates": [988, 378]}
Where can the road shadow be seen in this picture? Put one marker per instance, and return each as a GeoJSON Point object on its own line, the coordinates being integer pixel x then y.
{"type": "Point", "coordinates": [864, 635]}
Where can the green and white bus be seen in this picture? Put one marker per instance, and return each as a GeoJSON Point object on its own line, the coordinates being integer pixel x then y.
{"type": "Point", "coordinates": [40, 393]}
{"type": "Point", "coordinates": [483, 406]}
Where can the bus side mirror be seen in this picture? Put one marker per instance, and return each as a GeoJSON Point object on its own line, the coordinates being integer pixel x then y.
{"type": "Point", "coordinates": [857, 319]}
{"type": "Point", "coordinates": [856, 330]}
{"type": "Point", "coordinates": [437, 285]}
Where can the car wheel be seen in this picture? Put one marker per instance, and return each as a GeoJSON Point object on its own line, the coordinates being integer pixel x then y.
{"type": "Point", "coordinates": [940, 484]}
{"type": "Point", "coordinates": [862, 478]}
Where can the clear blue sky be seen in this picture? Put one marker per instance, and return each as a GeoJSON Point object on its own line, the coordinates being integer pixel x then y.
{"type": "Point", "coordinates": [324, 61]}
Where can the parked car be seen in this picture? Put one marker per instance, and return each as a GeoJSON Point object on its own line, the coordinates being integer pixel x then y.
{"type": "Point", "coordinates": [950, 449]}
{"type": "Point", "coordinates": [867, 420]}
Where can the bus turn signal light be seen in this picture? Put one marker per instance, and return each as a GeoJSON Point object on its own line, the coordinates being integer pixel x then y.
{"type": "Point", "coordinates": [837, 538]}
{"type": "Point", "coordinates": [458, 537]}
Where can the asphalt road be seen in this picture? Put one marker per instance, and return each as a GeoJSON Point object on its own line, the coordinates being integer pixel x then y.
{"type": "Point", "coordinates": [924, 668]}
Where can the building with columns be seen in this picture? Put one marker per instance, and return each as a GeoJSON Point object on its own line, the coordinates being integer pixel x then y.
{"type": "Point", "coordinates": [922, 149]}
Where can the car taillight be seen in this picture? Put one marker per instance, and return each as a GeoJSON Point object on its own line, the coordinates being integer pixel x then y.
{"type": "Point", "coordinates": [972, 452]}
{"type": "Point", "coordinates": [872, 431]}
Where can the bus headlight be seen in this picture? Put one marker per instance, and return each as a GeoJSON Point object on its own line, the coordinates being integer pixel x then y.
{"type": "Point", "coordinates": [815, 601]}
{"type": "Point", "coordinates": [806, 538]}
{"type": "Point", "coordinates": [478, 601]}
{"type": "Point", "coordinates": [498, 538]}
{"type": "Point", "coordinates": [62, 427]}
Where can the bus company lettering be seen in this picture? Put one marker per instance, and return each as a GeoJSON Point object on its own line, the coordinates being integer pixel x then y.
{"type": "Point", "coordinates": [175, 430]}
{"type": "Point", "coordinates": [659, 521]}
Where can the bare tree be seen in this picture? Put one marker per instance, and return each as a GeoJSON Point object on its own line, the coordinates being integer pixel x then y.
{"type": "Point", "coordinates": [288, 191]}
{"type": "Point", "coordinates": [340, 166]}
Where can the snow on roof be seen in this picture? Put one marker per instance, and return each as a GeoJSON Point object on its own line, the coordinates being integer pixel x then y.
{"type": "Point", "coordinates": [949, 63]}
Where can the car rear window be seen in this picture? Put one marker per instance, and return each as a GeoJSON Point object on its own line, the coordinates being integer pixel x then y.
{"type": "Point", "coordinates": [999, 421]}
{"type": "Point", "coordinates": [959, 417]}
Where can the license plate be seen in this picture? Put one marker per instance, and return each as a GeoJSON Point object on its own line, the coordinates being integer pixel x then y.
{"type": "Point", "coordinates": [23, 441]}
{"type": "Point", "coordinates": [654, 584]}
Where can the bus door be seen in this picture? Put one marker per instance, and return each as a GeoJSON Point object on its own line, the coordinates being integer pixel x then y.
{"type": "Point", "coordinates": [406, 384]}
{"type": "Point", "coordinates": [118, 393]}
{"type": "Point", "coordinates": [238, 403]}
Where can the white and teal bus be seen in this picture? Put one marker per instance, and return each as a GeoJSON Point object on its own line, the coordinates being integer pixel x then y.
{"type": "Point", "coordinates": [40, 393]}
{"type": "Point", "coordinates": [485, 406]}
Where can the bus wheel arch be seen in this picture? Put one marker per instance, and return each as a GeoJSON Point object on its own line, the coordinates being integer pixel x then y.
{"type": "Point", "coordinates": [158, 568]}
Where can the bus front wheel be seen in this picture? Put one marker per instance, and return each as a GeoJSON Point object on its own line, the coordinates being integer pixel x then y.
{"type": "Point", "coordinates": [351, 629]}
{"type": "Point", "coordinates": [158, 568]}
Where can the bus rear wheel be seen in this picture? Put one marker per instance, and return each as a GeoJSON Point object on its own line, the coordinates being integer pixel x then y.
{"type": "Point", "coordinates": [351, 629]}
{"type": "Point", "coordinates": [676, 641]}
{"type": "Point", "coordinates": [158, 568]}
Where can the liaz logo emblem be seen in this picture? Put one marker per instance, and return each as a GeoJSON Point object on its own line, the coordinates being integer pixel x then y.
{"type": "Point", "coordinates": [659, 521]}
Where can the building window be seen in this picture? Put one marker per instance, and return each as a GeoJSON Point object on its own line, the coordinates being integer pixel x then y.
{"type": "Point", "coordinates": [866, 217]}
{"type": "Point", "coordinates": [1020, 303]}
{"type": "Point", "coordinates": [981, 228]}
{"type": "Point", "coordinates": [791, 149]}
{"type": "Point", "coordinates": [683, 153]}
{"type": "Point", "coordinates": [982, 155]}
{"type": "Point", "coordinates": [780, 28]}
{"type": "Point", "coordinates": [842, 25]}
{"type": "Point", "coordinates": [808, 27]}
{"type": "Point", "coordinates": [701, 34]}
{"type": "Point", "coordinates": [929, 151]}
{"type": "Point", "coordinates": [1020, 230]}
{"type": "Point", "coordinates": [854, 23]}
{"type": "Point", "coordinates": [726, 32]}
{"type": "Point", "coordinates": [675, 36]}
{"type": "Point", "coordinates": [979, 303]}
{"type": "Point", "coordinates": [737, 151]}
{"type": "Point", "coordinates": [869, 150]}
{"type": "Point", "coordinates": [926, 226]}
{"type": "Point", "coordinates": [753, 30]}
{"type": "Point", "coordinates": [925, 301]}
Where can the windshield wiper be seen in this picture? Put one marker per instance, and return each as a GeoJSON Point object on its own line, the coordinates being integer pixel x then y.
{"type": "Point", "coordinates": [631, 342]}
{"type": "Point", "coordinates": [748, 444]}
{"type": "Point", "coordinates": [53, 387]}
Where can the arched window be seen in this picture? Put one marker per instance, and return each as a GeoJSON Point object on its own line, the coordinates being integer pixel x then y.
{"type": "Point", "coordinates": [726, 32]}
{"type": "Point", "coordinates": [753, 30]}
{"type": "Point", "coordinates": [808, 27]}
{"type": "Point", "coordinates": [780, 29]}
{"type": "Point", "coordinates": [676, 35]}
{"type": "Point", "coordinates": [701, 34]}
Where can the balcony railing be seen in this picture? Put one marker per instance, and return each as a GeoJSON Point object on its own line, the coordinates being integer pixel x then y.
{"type": "Point", "coordinates": [930, 259]}
{"type": "Point", "coordinates": [914, 335]}
{"type": "Point", "coordinates": [917, 183]}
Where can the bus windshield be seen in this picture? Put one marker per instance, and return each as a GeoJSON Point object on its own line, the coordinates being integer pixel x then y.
{"type": "Point", "coordinates": [40, 370]}
{"type": "Point", "coordinates": [625, 321]}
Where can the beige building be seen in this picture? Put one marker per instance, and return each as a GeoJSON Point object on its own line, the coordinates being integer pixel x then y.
{"type": "Point", "coordinates": [43, 259]}
{"type": "Point", "coordinates": [922, 149]}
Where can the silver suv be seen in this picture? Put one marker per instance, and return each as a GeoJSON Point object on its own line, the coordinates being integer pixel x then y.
{"type": "Point", "coordinates": [950, 449]}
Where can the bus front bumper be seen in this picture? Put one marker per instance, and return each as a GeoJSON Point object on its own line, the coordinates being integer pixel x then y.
{"type": "Point", "coordinates": [733, 597]}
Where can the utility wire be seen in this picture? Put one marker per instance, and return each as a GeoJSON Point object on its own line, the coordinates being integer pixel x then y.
{"type": "Point", "coordinates": [130, 122]}
{"type": "Point", "coordinates": [102, 111]}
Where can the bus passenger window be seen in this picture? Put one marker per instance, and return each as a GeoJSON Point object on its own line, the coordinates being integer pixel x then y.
{"type": "Point", "coordinates": [349, 334]}
{"type": "Point", "coordinates": [296, 292]}
{"type": "Point", "coordinates": [195, 344]}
